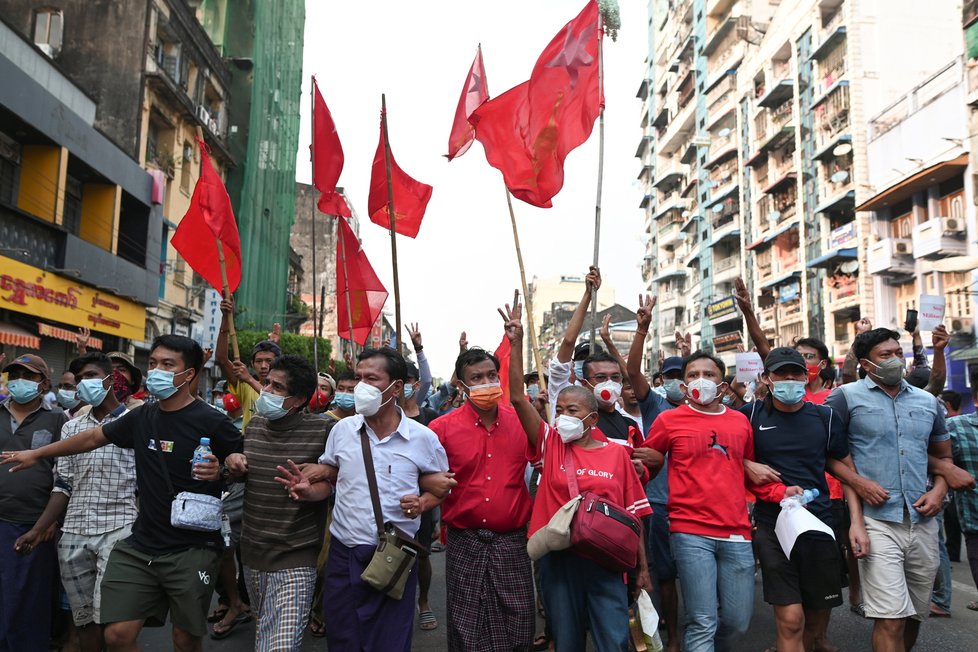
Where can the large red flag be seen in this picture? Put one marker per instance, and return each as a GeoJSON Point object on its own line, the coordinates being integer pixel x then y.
{"type": "Point", "coordinates": [327, 157]}
{"type": "Point", "coordinates": [410, 196]}
{"type": "Point", "coordinates": [208, 220]}
{"type": "Point", "coordinates": [366, 292]}
{"type": "Point", "coordinates": [529, 131]}
{"type": "Point", "coordinates": [474, 93]}
{"type": "Point", "coordinates": [502, 354]}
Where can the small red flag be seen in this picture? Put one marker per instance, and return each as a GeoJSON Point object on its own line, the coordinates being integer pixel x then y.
{"type": "Point", "coordinates": [474, 93]}
{"type": "Point", "coordinates": [529, 131]}
{"type": "Point", "coordinates": [502, 354]}
{"type": "Point", "coordinates": [208, 220]}
{"type": "Point", "coordinates": [410, 196]}
{"type": "Point", "coordinates": [367, 294]}
{"type": "Point", "coordinates": [327, 157]}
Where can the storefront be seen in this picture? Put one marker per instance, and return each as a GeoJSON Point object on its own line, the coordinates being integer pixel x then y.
{"type": "Point", "coordinates": [41, 312]}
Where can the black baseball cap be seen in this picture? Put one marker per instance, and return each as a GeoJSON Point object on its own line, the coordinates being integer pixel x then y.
{"type": "Point", "coordinates": [672, 363]}
{"type": "Point", "coordinates": [783, 356]}
{"type": "Point", "coordinates": [412, 370]}
{"type": "Point", "coordinates": [583, 350]}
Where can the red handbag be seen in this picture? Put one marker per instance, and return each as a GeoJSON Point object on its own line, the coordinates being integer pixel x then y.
{"type": "Point", "coordinates": [601, 530]}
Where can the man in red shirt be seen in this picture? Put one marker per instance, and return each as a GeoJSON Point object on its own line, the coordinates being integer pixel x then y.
{"type": "Point", "coordinates": [710, 531]}
{"type": "Point", "coordinates": [487, 573]}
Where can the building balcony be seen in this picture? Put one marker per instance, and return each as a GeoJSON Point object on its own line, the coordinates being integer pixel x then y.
{"type": "Point", "coordinates": [669, 233]}
{"type": "Point", "coordinates": [891, 256]}
{"type": "Point", "coordinates": [971, 70]}
{"type": "Point", "coordinates": [726, 225]}
{"type": "Point", "coordinates": [939, 237]}
{"type": "Point", "coordinates": [829, 37]}
{"type": "Point", "coordinates": [670, 299]}
{"type": "Point", "coordinates": [721, 99]}
{"type": "Point", "coordinates": [668, 172]}
{"type": "Point", "coordinates": [842, 292]}
{"type": "Point", "coordinates": [789, 312]}
{"type": "Point", "coordinates": [767, 317]}
{"type": "Point", "coordinates": [671, 202]}
{"type": "Point", "coordinates": [726, 269]}
{"type": "Point", "coordinates": [677, 133]}
{"type": "Point", "coordinates": [669, 267]}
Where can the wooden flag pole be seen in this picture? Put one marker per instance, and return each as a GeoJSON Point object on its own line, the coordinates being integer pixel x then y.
{"type": "Point", "coordinates": [391, 213]}
{"type": "Point", "coordinates": [232, 334]}
{"type": "Point", "coordinates": [597, 204]}
{"type": "Point", "coordinates": [315, 278]}
{"type": "Point", "coordinates": [526, 297]}
{"type": "Point", "coordinates": [346, 290]}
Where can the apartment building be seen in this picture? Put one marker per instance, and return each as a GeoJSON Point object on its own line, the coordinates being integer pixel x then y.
{"type": "Point", "coordinates": [755, 120]}
{"type": "Point", "coordinates": [550, 298]}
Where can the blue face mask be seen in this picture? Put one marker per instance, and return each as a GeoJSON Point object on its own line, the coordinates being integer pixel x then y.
{"type": "Point", "coordinates": [159, 383]}
{"type": "Point", "coordinates": [727, 399]}
{"type": "Point", "coordinates": [533, 391]}
{"type": "Point", "coordinates": [408, 390]}
{"type": "Point", "coordinates": [93, 391]}
{"type": "Point", "coordinates": [789, 392]}
{"type": "Point", "coordinates": [674, 390]}
{"type": "Point", "coordinates": [68, 398]}
{"type": "Point", "coordinates": [579, 370]}
{"type": "Point", "coordinates": [270, 406]}
{"type": "Point", "coordinates": [23, 391]}
{"type": "Point", "coordinates": [344, 401]}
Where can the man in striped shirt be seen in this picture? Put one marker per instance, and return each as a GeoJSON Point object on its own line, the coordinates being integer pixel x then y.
{"type": "Point", "coordinates": [280, 537]}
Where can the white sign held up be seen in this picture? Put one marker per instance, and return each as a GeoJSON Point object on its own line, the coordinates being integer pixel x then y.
{"type": "Point", "coordinates": [931, 311]}
{"type": "Point", "coordinates": [749, 366]}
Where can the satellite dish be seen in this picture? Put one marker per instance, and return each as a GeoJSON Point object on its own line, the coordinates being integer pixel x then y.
{"type": "Point", "coordinates": [839, 176]}
{"type": "Point", "coordinates": [723, 133]}
{"type": "Point", "coordinates": [681, 237]}
{"type": "Point", "coordinates": [686, 214]}
{"type": "Point", "coordinates": [842, 149]}
{"type": "Point", "coordinates": [849, 267]}
{"type": "Point", "coordinates": [773, 216]}
{"type": "Point", "coordinates": [718, 208]}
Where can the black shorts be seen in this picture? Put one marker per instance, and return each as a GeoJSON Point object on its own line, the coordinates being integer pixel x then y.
{"type": "Point", "coordinates": [811, 577]}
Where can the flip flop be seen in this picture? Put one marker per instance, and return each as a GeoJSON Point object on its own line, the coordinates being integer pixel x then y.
{"type": "Point", "coordinates": [218, 614]}
{"type": "Point", "coordinates": [938, 612]}
{"type": "Point", "coordinates": [427, 620]}
{"type": "Point", "coordinates": [858, 609]}
{"type": "Point", "coordinates": [241, 618]}
{"type": "Point", "coordinates": [972, 605]}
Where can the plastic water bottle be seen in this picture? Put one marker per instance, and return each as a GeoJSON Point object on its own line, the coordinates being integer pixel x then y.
{"type": "Point", "coordinates": [805, 497]}
{"type": "Point", "coordinates": [199, 453]}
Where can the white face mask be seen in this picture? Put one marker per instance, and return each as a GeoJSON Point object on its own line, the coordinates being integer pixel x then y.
{"type": "Point", "coordinates": [368, 399]}
{"type": "Point", "coordinates": [607, 392]}
{"type": "Point", "coordinates": [570, 428]}
{"type": "Point", "coordinates": [702, 391]}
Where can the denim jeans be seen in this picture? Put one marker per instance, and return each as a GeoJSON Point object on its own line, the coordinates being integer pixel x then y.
{"type": "Point", "coordinates": [717, 580]}
{"type": "Point", "coordinates": [942, 584]}
{"type": "Point", "coordinates": [580, 596]}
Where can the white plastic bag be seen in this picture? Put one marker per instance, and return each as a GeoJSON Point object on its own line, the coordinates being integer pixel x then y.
{"type": "Point", "coordinates": [650, 621]}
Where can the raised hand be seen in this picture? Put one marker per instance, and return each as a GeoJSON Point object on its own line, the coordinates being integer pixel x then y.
{"type": "Point", "coordinates": [348, 360]}
{"type": "Point", "coordinates": [81, 339]}
{"type": "Point", "coordinates": [276, 333]}
{"type": "Point", "coordinates": [227, 306]}
{"type": "Point", "coordinates": [742, 296]}
{"type": "Point", "coordinates": [241, 371]}
{"type": "Point", "coordinates": [463, 343]}
{"type": "Point", "coordinates": [864, 325]}
{"type": "Point", "coordinates": [940, 337]}
{"type": "Point", "coordinates": [643, 316]}
{"type": "Point", "coordinates": [685, 343]}
{"type": "Point", "coordinates": [593, 279]}
{"type": "Point", "coordinates": [513, 319]}
{"type": "Point", "coordinates": [606, 328]}
{"type": "Point", "coordinates": [208, 354]}
{"type": "Point", "coordinates": [415, 334]}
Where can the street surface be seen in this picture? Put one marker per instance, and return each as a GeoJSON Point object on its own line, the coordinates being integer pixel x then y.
{"type": "Point", "coordinates": [848, 631]}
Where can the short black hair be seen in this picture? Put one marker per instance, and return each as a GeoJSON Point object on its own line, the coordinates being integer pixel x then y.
{"type": "Point", "coordinates": [96, 358]}
{"type": "Point", "coordinates": [472, 356]}
{"type": "Point", "coordinates": [827, 375]}
{"type": "Point", "coordinates": [952, 398]}
{"type": "Point", "coordinates": [599, 356]}
{"type": "Point", "coordinates": [190, 351]}
{"type": "Point", "coordinates": [266, 346]}
{"type": "Point", "coordinates": [865, 342]}
{"type": "Point", "coordinates": [394, 362]}
{"type": "Point", "coordinates": [346, 374]}
{"type": "Point", "coordinates": [302, 379]}
{"type": "Point", "coordinates": [817, 344]}
{"type": "Point", "coordinates": [704, 355]}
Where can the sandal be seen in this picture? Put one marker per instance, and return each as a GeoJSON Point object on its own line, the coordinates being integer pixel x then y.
{"type": "Point", "coordinates": [938, 612]}
{"type": "Point", "coordinates": [541, 642]}
{"type": "Point", "coordinates": [317, 628]}
{"type": "Point", "coordinates": [427, 620]}
{"type": "Point", "coordinates": [973, 606]}
{"type": "Point", "coordinates": [218, 614]}
{"type": "Point", "coordinates": [226, 629]}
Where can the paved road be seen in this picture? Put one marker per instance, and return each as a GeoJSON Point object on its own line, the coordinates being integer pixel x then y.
{"type": "Point", "coordinates": [848, 631]}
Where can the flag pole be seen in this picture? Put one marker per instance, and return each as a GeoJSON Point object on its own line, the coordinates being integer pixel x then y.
{"type": "Point", "coordinates": [346, 290]}
{"type": "Point", "coordinates": [232, 334]}
{"type": "Point", "coordinates": [391, 214]}
{"type": "Point", "coordinates": [526, 296]}
{"type": "Point", "coordinates": [315, 278]}
{"type": "Point", "coordinates": [597, 203]}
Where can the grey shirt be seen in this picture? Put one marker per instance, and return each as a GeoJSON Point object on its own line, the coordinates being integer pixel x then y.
{"type": "Point", "coordinates": [24, 495]}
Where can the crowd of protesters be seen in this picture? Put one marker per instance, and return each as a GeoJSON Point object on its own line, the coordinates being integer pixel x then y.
{"type": "Point", "coordinates": [107, 523]}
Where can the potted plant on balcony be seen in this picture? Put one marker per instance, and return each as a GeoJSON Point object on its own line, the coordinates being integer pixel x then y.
{"type": "Point", "coordinates": [165, 161]}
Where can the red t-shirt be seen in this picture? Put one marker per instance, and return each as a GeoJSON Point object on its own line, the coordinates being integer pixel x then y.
{"type": "Point", "coordinates": [835, 487]}
{"type": "Point", "coordinates": [706, 469]}
{"type": "Point", "coordinates": [489, 466]}
{"type": "Point", "coordinates": [607, 471]}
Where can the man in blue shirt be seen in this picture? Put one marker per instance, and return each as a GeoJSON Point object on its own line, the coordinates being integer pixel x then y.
{"type": "Point", "coordinates": [964, 443]}
{"type": "Point", "coordinates": [892, 429]}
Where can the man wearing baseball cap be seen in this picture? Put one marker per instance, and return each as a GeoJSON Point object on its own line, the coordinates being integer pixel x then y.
{"type": "Point", "coordinates": [128, 379]}
{"type": "Point", "coordinates": [801, 441]}
{"type": "Point", "coordinates": [28, 568]}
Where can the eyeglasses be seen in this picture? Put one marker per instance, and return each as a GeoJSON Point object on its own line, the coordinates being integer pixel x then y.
{"type": "Point", "coordinates": [602, 378]}
{"type": "Point", "coordinates": [810, 356]}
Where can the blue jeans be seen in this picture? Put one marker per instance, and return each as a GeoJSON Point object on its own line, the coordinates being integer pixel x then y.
{"type": "Point", "coordinates": [942, 583]}
{"type": "Point", "coordinates": [579, 596]}
{"type": "Point", "coordinates": [717, 580]}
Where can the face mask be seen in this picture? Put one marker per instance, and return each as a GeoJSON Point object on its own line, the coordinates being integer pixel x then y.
{"type": "Point", "coordinates": [93, 391]}
{"type": "Point", "coordinates": [368, 399]}
{"type": "Point", "coordinates": [344, 401]}
{"type": "Point", "coordinates": [727, 399]}
{"type": "Point", "coordinates": [813, 371]}
{"type": "Point", "coordinates": [68, 398]}
{"type": "Point", "coordinates": [23, 391]}
{"type": "Point", "coordinates": [607, 392]}
{"type": "Point", "coordinates": [486, 396]}
{"type": "Point", "coordinates": [533, 391]}
{"type": "Point", "coordinates": [702, 391]}
{"type": "Point", "coordinates": [570, 428]}
{"type": "Point", "coordinates": [408, 391]}
{"type": "Point", "coordinates": [120, 386]}
{"type": "Point", "coordinates": [789, 392]}
{"type": "Point", "coordinates": [674, 390]}
{"type": "Point", "coordinates": [579, 369]}
{"type": "Point", "coordinates": [270, 406]}
{"type": "Point", "coordinates": [891, 372]}
{"type": "Point", "coordinates": [159, 383]}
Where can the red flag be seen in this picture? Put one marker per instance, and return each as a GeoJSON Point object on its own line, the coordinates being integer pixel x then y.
{"type": "Point", "coordinates": [410, 196]}
{"type": "Point", "coordinates": [327, 157]}
{"type": "Point", "coordinates": [474, 93]}
{"type": "Point", "coordinates": [209, 219]}
{"type": "Point", "coordinates": [502, 353]}
{"type": "Point", "coordinates": [529, 131]}
{"type": "Point", "coordinates": [366, 292]}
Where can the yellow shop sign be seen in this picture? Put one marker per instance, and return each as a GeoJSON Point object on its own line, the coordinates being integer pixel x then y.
{"type": "Point", "coordinates": [48, 296]}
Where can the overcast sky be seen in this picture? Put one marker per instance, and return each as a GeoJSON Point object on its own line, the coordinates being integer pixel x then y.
{"type": "Point", "coordinates": [463, 263]}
